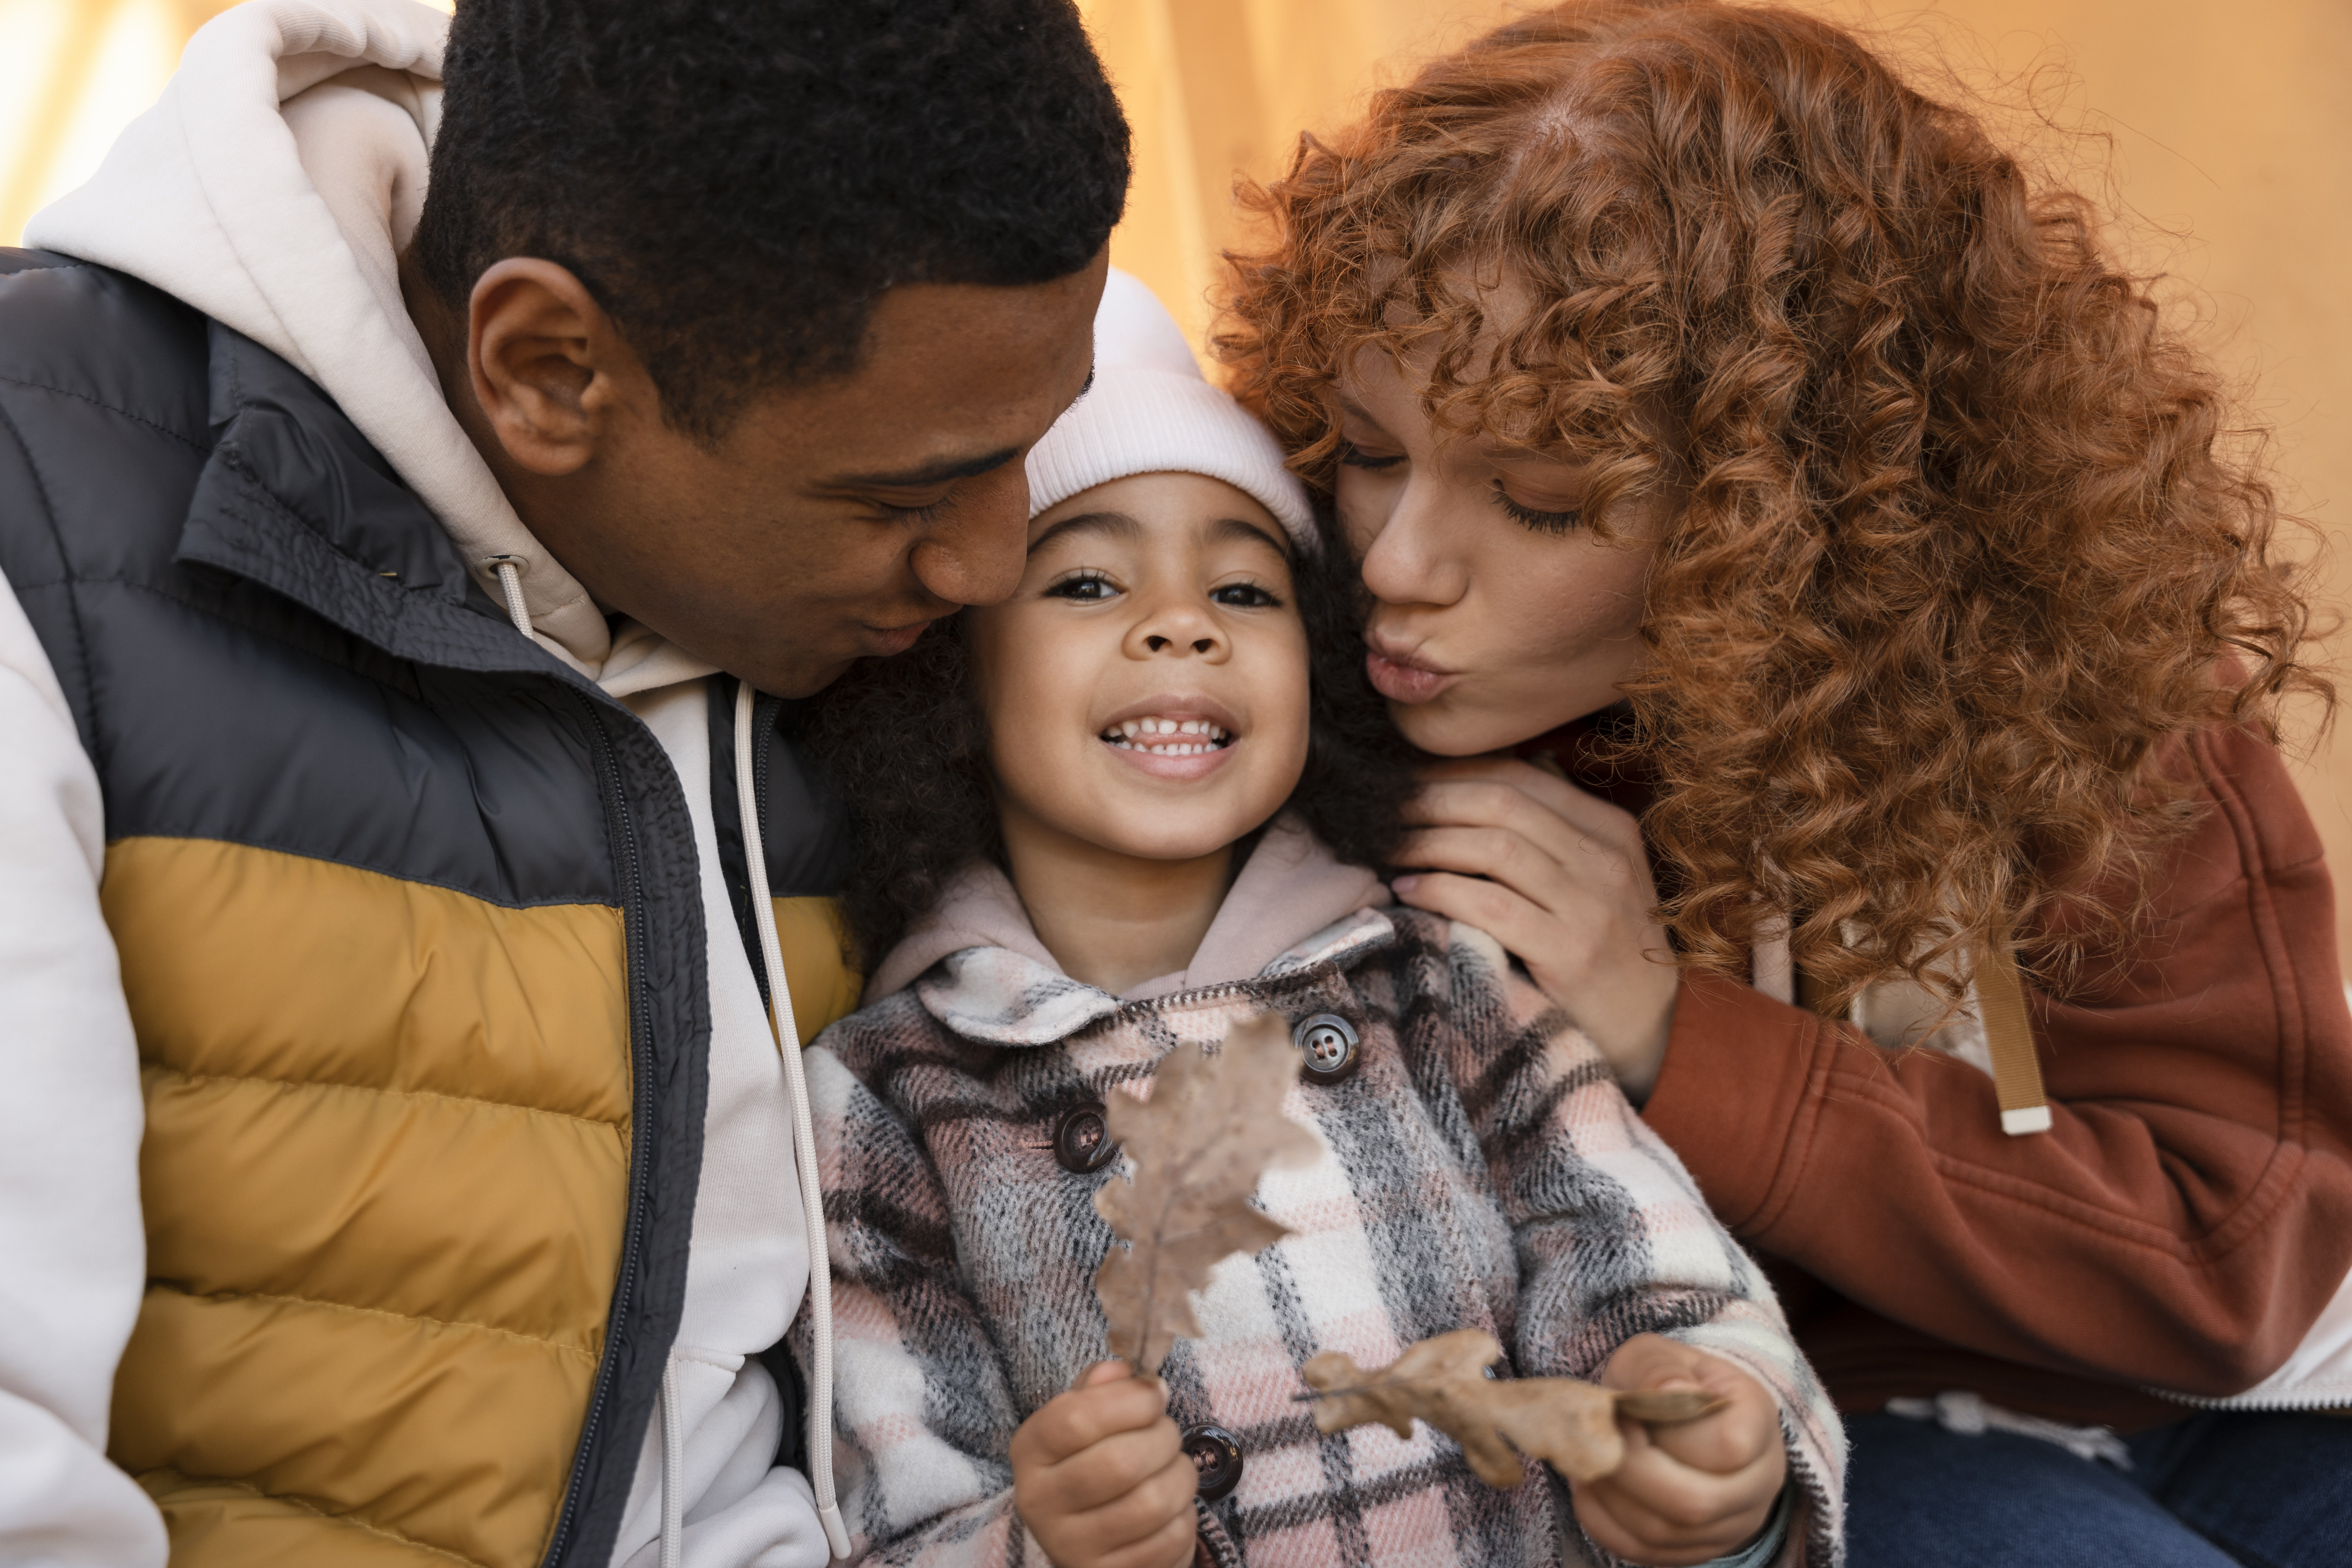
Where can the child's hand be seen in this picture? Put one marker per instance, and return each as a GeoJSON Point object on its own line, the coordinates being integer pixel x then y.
{"type": "Point", "coordinates": [1686, 1494]}
{"type": "Point", "coordinates": [1100, 1478]}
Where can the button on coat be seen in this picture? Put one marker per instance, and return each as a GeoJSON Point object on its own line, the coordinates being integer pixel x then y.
{"type": "Point", "coordinates": [1330, 1046]}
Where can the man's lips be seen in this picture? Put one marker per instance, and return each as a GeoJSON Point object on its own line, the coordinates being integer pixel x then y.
{"type": "Point", "coordinates": [881, 643]}
{"type": "Point", "coordinates": [1404, 678]}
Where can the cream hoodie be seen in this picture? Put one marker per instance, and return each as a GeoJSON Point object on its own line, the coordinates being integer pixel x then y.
{"type": "Point", "coordinates": [271, 187]}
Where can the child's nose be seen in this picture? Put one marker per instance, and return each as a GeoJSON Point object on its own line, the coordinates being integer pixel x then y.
{"type": "Point", "coordinates": [1179, 626]}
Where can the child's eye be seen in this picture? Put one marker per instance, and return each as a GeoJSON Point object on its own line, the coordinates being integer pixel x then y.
{"type": "Point", "coordinates": [1529, 517]}
{"type": "Point", "coordinates": [1087, 587]}
{"type": "Point", "coordinates": [1243, 597]}
{"type": "Point", "coordinates": [1355, 457]}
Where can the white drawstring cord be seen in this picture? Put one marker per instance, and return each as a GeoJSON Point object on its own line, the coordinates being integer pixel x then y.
{"type": "Point", "coordinates": [509, 571]}
{"type": "Point", "coordinates": [788, 1043]}
{"type": "Point", "coordinates": [673, 1518]}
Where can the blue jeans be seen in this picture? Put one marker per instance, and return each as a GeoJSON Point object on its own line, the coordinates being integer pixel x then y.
{"type": "Point", "coordinates": [2257, 1489]}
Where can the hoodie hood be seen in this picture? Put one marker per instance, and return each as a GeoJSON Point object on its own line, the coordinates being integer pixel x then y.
{"type": "Point", "coordinates": [273, 187]}
{"type": "Point", "coordinates": [1293, 906]}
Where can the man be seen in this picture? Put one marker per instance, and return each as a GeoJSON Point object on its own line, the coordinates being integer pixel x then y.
{"type": "Point", "coordinates": [397, 1163]}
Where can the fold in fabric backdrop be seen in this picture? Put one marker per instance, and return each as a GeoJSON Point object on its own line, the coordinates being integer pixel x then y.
{"type": "Point", "coordinates": [2237, 137]}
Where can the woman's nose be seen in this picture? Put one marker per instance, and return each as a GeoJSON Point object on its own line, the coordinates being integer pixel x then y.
{"type": "Point", "coordinates": [1405, 562]}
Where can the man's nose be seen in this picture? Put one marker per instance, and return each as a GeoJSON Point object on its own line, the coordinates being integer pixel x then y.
{"type": "Point", "coordinates": [974, 554]}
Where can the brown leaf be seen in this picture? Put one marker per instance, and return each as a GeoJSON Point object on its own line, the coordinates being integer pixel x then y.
{"type": "Point", "coordinates": [1569, 1424]}
{"type": "Point", "coordinates": [1212, 1125]}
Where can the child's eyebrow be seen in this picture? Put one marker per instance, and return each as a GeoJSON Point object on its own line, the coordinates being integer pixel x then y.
{"type": "Point", "coordinates": [1242, 530]}
{"type": "Point", "coordinates": [1112, 522]}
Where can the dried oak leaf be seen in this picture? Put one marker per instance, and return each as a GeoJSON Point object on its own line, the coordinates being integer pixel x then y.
{"type": "Point", "coordinates": [1442, 1380]}
{"type": "Point", "coordinates": [1212, 1125]}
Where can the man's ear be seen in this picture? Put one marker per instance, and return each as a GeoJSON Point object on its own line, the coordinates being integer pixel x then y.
{"type": "Point", "coordinates": [549, 369]}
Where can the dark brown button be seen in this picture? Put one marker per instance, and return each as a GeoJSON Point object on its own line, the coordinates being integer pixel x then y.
{"type": "Point", "coordinates": [1082, 1142]}
{"type": "Point", "coordinates": [1216, 1456]}
{"type": "Point", "coordinates": [1328, 1043]}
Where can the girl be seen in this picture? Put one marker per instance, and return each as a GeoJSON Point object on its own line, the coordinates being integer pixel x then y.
{"type": "Point", "coordinates": [1729, 427]}
{"type": "Point", "coordinates": [1132, 807]}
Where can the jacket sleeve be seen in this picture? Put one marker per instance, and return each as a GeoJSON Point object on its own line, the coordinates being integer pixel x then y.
{"type": "Point", "coordinates": [69, 1125]}
{"type": "Point", "coordinates": [1612, 1237]}
{"type": "Point", "coordinates": [2189, 1212]}
{"type": "Point", "coordinates": [923, 1417]}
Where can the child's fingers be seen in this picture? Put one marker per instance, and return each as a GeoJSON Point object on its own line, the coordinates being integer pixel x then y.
{"type": "Point", "coordinates": [1672, 1497]}
{"type": "Point", "coordinates": [1103, 1406]}
{"type": "Point", "coordinates": [1743, 1431]}
{"type": "Point", "coordinates": [1697, 1490]}
{"type": "Point", "coordinates": [1103, 1372]}
{"type": "Point", "coordinates": [1141, 1522]}
{"type": "Point", "coordinates": [1623, 1527]}
{"type": "Point", "coordinates": [1121, 1464]}
{"type": "Point", "coordinates": [1169, 1546]}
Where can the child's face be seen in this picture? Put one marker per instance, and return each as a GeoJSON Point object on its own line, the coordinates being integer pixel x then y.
{"type": "Point", "coordinates": [1145, 685]}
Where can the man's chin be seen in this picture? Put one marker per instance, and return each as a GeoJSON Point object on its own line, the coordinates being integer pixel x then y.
{"type": "Point", "coordinates": [798, 680]}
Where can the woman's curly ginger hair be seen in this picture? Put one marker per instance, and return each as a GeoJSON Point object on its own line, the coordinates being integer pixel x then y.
{"type": "Point", "coordinates": [1965, 553]}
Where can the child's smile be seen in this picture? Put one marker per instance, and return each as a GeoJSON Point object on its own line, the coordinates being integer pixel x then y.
{"type": "Point", "coordinates": [1176, 740]}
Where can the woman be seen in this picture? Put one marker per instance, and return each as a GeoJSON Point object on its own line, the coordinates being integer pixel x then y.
{"type": "Point", "coordinates": [1743, 437]}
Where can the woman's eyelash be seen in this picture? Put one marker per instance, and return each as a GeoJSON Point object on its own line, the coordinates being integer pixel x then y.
{"type": "Point", "coordinates": [921, 516]}
{"type": "Point", "coordinates": [1529, 517]}
{"type": "Point", "coordinates": [1355, 457]}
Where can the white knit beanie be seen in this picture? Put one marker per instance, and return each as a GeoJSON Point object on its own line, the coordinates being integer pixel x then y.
{"type": "Point", "coordinates": [1150, 411]}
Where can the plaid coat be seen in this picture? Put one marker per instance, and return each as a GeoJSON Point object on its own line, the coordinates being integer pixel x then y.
{"type": "Point", "coordinates": [1481, 1169]}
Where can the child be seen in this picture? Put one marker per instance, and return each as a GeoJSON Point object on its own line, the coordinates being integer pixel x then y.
{"type": "Point", "coordinates": [1132, 807]}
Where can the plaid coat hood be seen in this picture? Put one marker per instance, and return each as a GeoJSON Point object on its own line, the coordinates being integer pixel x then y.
{"type": "Point", "coordinates": [1481, 1169]}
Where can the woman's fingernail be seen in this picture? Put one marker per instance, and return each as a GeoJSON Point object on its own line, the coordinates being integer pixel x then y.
{"type": "Point", "coordinates": [1403, 885]}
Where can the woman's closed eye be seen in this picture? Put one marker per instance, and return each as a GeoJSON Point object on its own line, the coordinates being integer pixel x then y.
{"type": "Point", "coordinates": [1355, 457]}
{"type": "Point", "coordinates": [1535, 518]}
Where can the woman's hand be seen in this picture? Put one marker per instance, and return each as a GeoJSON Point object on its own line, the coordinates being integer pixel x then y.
{"type": "Point", "coordinates": [1694, 1493]}
{"type": "Point", "coordinates": [1100, 1478]}
{"type": "Point", "coordinates": [1560, 879]}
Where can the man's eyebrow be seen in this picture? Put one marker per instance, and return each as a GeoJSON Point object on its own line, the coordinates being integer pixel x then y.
{"type": "Point", "coordinates": [1112, 522]}
{"type": "Point", "coordinates": [929, 474]}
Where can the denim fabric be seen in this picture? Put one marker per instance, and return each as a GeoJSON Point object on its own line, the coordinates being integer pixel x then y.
{"type": "Point", "coordinates": [2258, 1489]}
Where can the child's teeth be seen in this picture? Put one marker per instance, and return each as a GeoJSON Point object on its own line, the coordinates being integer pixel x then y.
{"type": "Point", "coordinates": [1144, 734]}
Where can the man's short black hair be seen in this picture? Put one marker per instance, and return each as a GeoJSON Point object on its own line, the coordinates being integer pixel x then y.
{"type": "Point", "coordinates": [737, 181]}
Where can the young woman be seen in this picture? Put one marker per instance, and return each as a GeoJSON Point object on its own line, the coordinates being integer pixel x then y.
{"type": "Point", "coordinates": [1133, 805]}
{"type": "Point", "coordinates": [1738, 433]}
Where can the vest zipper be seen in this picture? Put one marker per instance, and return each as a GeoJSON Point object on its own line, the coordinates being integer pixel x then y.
{"type": "Point", "coordinates": [632, 906]}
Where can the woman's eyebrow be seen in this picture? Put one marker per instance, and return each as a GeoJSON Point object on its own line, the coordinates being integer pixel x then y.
{"type": "Point", "coordinates": [1112, 522]}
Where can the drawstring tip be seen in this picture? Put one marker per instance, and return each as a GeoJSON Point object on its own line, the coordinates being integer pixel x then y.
{"type": "Point", "coordinates": [837, 1534]}
{"type": "Point", "coordinates": [509, 571]}
{"type": "Point", "coordinates": [2030, 1118]}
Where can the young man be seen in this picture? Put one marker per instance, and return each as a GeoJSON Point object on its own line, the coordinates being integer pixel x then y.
{"type": "Point", "coordinates": [396, 1165]}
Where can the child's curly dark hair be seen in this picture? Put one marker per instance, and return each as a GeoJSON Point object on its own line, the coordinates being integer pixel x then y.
{"type": "Point", "coordinates": [904, 742]}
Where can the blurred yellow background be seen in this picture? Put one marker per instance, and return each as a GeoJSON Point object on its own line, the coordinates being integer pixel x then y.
{"type": "Point", "coordinates": [2224, 133]}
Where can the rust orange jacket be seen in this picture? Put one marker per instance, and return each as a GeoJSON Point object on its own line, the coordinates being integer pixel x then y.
{"type": "Point", "coordinates": [2181, 1226]}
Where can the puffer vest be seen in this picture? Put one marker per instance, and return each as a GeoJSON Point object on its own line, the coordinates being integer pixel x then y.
{"type": "Point", "coordinates": [411, 930]}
